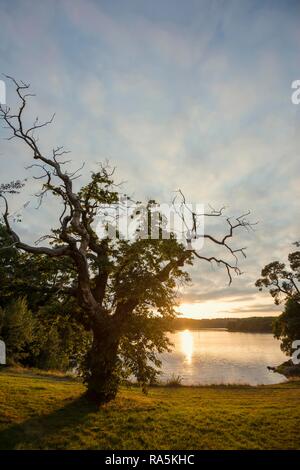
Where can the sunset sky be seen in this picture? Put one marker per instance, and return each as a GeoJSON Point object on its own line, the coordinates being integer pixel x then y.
{"type": "Point", "coordinates": [176, 94]}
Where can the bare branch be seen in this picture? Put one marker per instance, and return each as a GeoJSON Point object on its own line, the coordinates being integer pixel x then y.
{"type": "Point", "coordinates": [60, 251]}
{"type": "Point", "coordinates": [229, 267]}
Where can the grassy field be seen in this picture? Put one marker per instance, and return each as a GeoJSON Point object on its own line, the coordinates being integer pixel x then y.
{"type": "Point", "coordinates": [47, 412]}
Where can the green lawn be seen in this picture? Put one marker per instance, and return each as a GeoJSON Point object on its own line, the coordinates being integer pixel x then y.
{"type": "Point", "coordinates": [47, 412]}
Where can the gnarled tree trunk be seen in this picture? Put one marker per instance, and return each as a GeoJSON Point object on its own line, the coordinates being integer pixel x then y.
{"type": "Point", "coordinates": [102, 376]}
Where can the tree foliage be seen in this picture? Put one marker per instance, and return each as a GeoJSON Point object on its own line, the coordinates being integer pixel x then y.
{"type": "Point", "coordinates": [35, 285]}
{"type": "Point", "coordinates": [17, 330]}
{"type": "Point", "coordinates": [282, 282]}
{"type": "Point", "coordinates": [287, 326]}
{"type": "Point", "coordinates": [283, 285]}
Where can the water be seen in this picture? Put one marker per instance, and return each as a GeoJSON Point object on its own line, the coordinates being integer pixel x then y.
{"type": "Point", "coordinates": [221, 357]}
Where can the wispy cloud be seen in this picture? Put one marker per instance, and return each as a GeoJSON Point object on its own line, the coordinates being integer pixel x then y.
{"type": "Point", "coordinates": [177, 94]}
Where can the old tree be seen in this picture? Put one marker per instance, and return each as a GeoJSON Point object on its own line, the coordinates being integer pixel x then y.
{"type": "Point", "coordinates": [125, 290]}
{"type": "Point", "coordinates": [283, 283]}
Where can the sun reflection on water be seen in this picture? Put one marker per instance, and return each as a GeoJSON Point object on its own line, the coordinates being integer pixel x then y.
{"type": "Point", "coordinates": [187, 345]}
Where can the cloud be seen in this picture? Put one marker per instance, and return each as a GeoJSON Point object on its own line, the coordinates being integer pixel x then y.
{"type": "Point", "coordinates": [194, 96]}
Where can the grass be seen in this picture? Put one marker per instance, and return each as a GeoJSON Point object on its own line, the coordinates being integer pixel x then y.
{"type": "Point", "coordinates": [174, 381]}
{"type": "Point", "coordinates": [48, 412]}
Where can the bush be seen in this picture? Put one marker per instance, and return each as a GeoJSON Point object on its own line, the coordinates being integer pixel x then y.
{"type": "Point", "coordinates": [41, 340]}
{"type": "Point", "coordinates": [17, 330]}
{"type": "Point", "coordinates": [59, 343]}
{"type": "Point", "coordinates": [174, 381]}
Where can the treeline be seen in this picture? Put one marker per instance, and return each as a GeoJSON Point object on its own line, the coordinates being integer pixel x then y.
{"type": "Point", "coordinates": [191, 324]}
{"type": "Point", "coordinates": [38, 339]}
{"type": "Point", "coordinates": [251, 324]}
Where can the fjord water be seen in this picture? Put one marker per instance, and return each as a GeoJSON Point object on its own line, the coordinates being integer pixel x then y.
{"type": "Point", "coordinates": [216, 356]}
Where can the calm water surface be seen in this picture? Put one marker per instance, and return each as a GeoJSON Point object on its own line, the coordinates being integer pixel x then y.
{"type": "Point", "coordinates": [223, 357]}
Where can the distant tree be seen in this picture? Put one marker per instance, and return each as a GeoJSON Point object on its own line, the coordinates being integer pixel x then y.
{"type": "Point", "coordinates": [283, 285]}
{"type": "Point", "coordinates": [252, 324]}
{"type": "Point", "coordinates": [287, 326]}
{"type": "Point", "coordinates": [17, 330]}
{"type": "Point", "coordinates": [59, 340]}
{"type": "Point", "coordinates": [124, 289]}
{"type": "Point", "coordinates": [59, 343]}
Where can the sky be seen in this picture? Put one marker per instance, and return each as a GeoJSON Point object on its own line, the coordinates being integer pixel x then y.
{"type": "Point", "coordinates": [193, 95]}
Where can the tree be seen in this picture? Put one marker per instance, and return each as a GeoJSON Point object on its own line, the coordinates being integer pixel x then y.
{"type": "Point", "coordinates": [287, 326]}
{"type": "Point", "coordinates": [37, 278]}
{"type": "Point", "coordinates": [16, 329]}
{"type": "Point", "coordinates": [122, 287]}
{"type": "Point", "coordinates": [58, 339]}
{"type": "Point", "coordinates": [283, 285]}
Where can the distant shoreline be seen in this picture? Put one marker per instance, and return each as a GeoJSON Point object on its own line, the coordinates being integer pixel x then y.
{"type": "Point", "coordinates": [221, 329]}
{"type": "Point", "coordinates": [242, 325]}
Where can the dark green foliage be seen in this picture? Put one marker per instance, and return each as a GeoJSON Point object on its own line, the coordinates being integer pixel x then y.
{"type": "Point", "coordinates": [283, 285]}
{"type": "Point", "coordinates": [59, 343]}
{"type": "Point", "coordinates": [36, 278]}
{"type": "Point", "coordinates": [17, 330]}
{"type": "Point", "coordinates": [287, 326]}
{"type": "Point", "coordinates": [41, 340]}
{"type": "Point", "coordinates": [252, 324]}
{"type": "Point", "coordinates": [44, 319]}
{"type": "Point", "coordinates": [139, 346]}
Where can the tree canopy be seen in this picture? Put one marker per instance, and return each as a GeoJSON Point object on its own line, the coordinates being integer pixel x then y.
{"type": "Point", "coordinates": [282, 282]}
{"type": "Point", "coordinates": [283, 285]}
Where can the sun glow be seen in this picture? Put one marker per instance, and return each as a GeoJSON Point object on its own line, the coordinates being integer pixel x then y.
{"type": "Point", "coordinates": [208, 309]}
{"type": "Point", "coordinates": [187, 345]}
{"type": "Point", "coordinates": [229, 308]}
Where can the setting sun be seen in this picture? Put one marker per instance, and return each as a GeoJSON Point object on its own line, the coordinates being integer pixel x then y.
{"type": "Point", "coordinates": [230, 308]}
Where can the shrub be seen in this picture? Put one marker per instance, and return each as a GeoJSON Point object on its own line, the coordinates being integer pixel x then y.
{"type": "Point", "coordinates": [174, 381]}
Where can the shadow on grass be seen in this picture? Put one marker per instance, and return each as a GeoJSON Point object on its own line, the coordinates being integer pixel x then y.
{"type": "Point", "coordinates": [35, 432]}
